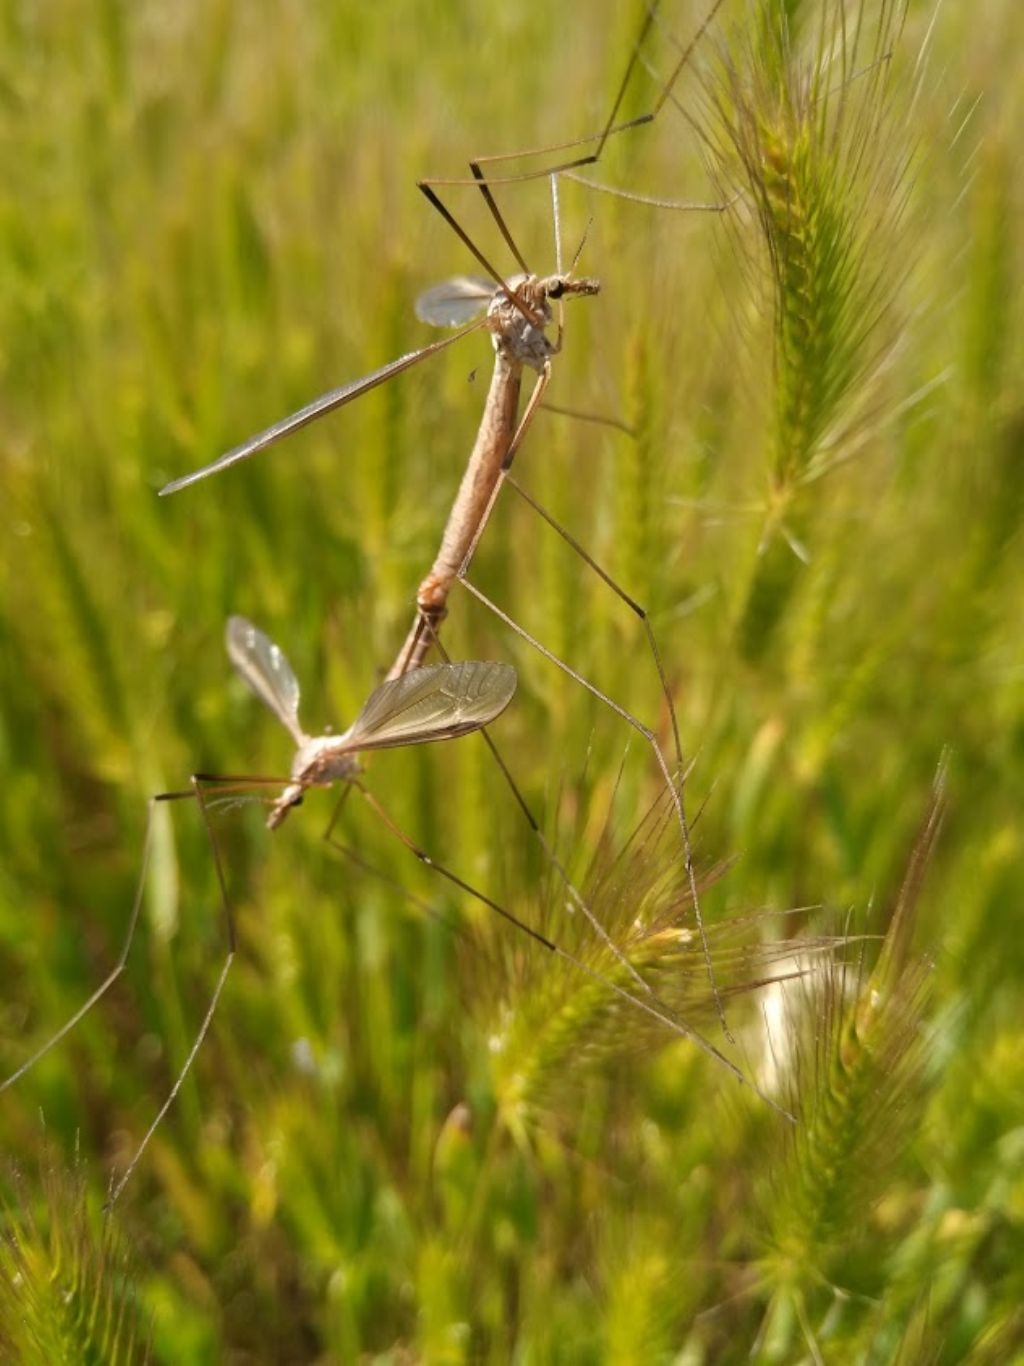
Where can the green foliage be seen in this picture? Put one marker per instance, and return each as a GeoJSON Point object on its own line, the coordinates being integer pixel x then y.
{"type": "Point", "coordinates": [413, 1133]}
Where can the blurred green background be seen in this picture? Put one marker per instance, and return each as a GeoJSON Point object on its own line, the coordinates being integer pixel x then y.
{"type": "Point", "coordinates": [401, 1143]}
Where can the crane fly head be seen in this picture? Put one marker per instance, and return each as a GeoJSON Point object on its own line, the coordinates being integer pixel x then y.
{"type": "Point", "coordinates": [564, 286]}
{"type": "Point", "coordinates": [291, 796]}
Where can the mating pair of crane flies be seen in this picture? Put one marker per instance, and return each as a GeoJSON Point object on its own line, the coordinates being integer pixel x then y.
{"type": "Point", "coordinates": [417, 703]}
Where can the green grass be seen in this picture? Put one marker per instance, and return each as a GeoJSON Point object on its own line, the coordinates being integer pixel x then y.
{"type": "Point", "coordinates": [403, 1143]}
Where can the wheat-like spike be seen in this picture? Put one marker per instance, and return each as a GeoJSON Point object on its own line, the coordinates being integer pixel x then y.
{"type": "Point", "coordinates": [801, 130]}
{"type": "Point", "coordinates": [66, 1287]}
{"type": "Point", "coordinates": [856, 1085]}
{"type": "Point", "coordinates": [548, 1029]}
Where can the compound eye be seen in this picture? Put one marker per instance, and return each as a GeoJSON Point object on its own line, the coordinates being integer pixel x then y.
{"type": "Point", "coordinates": [298, 800]}
{"type": "Point", "coordinates": [556, 290]}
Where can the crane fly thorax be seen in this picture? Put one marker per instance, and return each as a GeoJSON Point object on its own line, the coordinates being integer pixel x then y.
{"type": "Point", "coordinates": [516, 337]}
{"type": "Point", "coordinates": [323, 760]}
{"type": "Point", "coordinates": [318, 762]}
{"type": "Point", "coordinates": [522, 339]}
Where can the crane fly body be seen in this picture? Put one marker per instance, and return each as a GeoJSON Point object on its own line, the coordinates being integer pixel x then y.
{"type": "Point", "coordinates": [439, 702]}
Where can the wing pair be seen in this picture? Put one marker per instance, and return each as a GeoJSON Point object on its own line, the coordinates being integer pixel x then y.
{"type": "Point", "coordinates": [439, 702]}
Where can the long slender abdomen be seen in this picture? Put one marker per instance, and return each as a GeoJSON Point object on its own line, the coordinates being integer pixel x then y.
{"type": "Point", "coordinates": [497, 427]}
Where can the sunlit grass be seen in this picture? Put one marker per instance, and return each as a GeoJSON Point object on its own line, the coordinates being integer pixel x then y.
{"type": "Point", "coordinates": [426, 1142]}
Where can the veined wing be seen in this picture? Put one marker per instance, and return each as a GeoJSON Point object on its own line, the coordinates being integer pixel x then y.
{"type": "Point", "coordinates": [454, 301]}
{"type": "Point", "coordinates": [263, 666]}
{"type": "Point", "coordinates": [439, 702]}
{"type": "Point", "coordinates": [326, 403]}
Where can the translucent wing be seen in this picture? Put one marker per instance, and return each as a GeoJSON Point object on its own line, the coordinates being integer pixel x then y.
{"type": "Point", "coordinates": [454, 301]}
{"type": "Point", "coordinates": [326, 403]}
{"type": "Point", "coordinates": [439, 702]}
{"type": "Point", "coordinates": [264, 667]}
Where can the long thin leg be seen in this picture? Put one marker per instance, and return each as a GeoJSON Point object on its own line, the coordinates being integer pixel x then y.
{"type": "Point", "coordinates": [364, 865]}
{"type": "Point", "coordinates": [659, 756]}
{"type": "Point", "coordinates": [354, 857]}
{"type": "Point", "coordinates": [478, 255]}
{"type": "Point", "coordinates": [635, 607]}
{"type": "Point", "coordinates": [198, 783]}
{"type": "Point", "coordinates": [652, 201]}
{"type": "Point", "coordinates": [193, 793]}
{"type": "Point", "coordinates": [599, 419]}
{"type": "Point", "coordinates": [122, 958]}
{"type": "Point", "coordinates": [610, 128]}
{"type": "Point", "coordinates": [645, 1004]}
{"type": "Point", "coordinates": [571, 167]}
{"type": "Point", "coordinates": [424, 633]}
{"type": "Point", "coordinates": [563, 873]}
